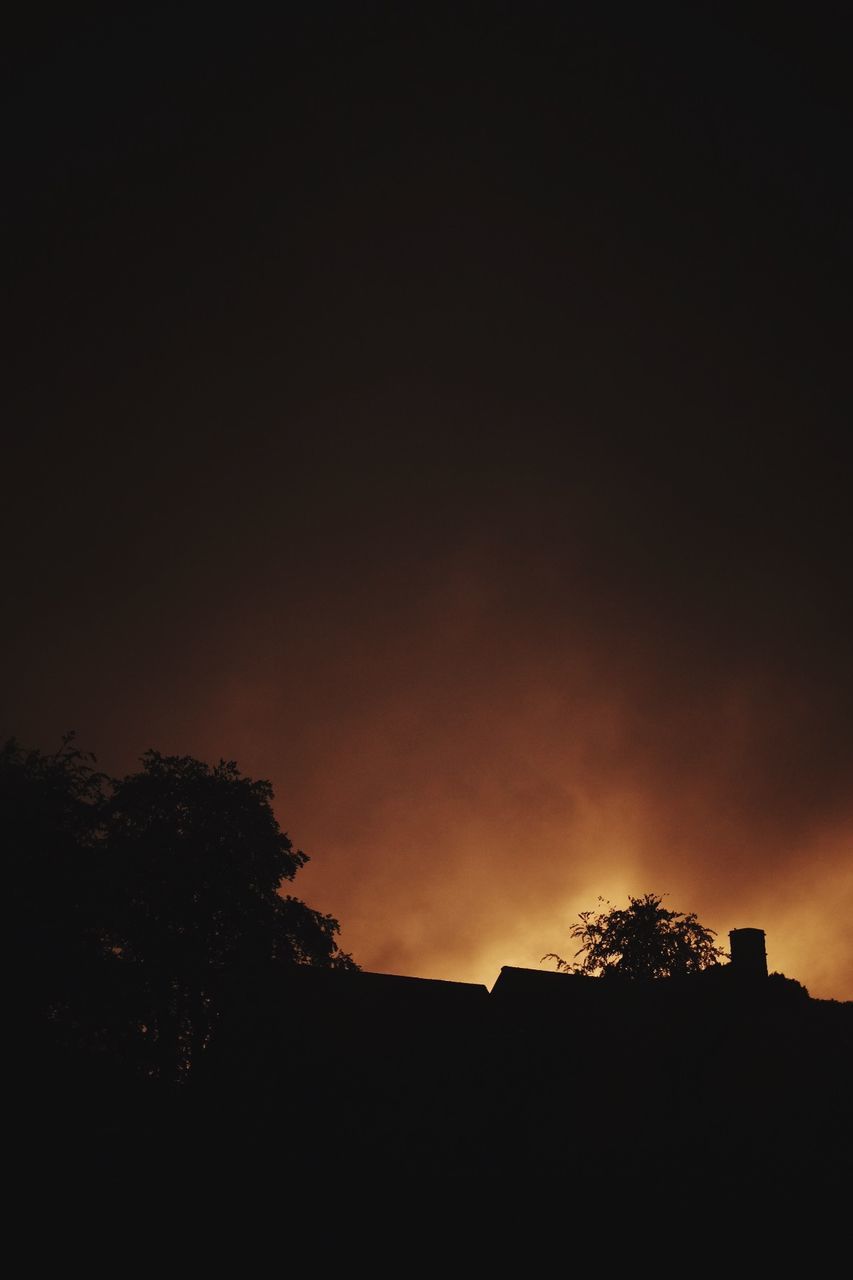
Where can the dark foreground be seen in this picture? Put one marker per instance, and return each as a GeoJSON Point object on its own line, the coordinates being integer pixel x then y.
{"type": "Point", "coordinates": [673, 1087]}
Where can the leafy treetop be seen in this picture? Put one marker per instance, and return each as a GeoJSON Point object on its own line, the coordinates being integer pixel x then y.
{"type": "Point", "coordinates": [643, 940]}
{"type": "Point", "coordinates": [146, 905]}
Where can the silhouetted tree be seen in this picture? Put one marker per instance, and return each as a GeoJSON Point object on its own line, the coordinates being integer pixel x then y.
{"type": "Point", "coordinates": [643, 940]}
{"type": "Point", "coordinates": [197, 861]}
{"type": "Point", "coordinates": [50, 807]}
{"type": "Point", "coordinates": [140, 904]}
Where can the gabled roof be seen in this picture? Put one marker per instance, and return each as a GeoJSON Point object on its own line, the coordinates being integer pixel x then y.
{"type": "Point", "coordinates": [546, 984]}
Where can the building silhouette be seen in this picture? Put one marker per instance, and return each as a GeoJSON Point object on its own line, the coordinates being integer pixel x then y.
{"type": "Point", "coordinates": [564, 1073]}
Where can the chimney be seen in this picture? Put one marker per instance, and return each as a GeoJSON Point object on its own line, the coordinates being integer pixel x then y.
{"type": "Point", "coordinates": [749, 957]}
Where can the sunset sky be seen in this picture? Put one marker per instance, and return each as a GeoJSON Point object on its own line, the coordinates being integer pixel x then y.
{"type": "Point", "coordinates": [445, 412]}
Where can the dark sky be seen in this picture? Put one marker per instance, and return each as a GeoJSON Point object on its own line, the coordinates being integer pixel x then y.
{"type": "Point", "coordinates": [445, 411]}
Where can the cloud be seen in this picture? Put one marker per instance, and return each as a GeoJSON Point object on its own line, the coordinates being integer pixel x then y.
{"type": "Point", "coordinates": [472, 768]}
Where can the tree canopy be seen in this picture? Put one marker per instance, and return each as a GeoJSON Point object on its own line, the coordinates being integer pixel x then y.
{"type": "Point", "coordinates": [643, 940]}
{"type": "Point", "coordinates": [144, 903]}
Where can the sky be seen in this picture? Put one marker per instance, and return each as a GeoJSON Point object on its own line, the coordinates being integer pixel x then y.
{"type": "Point", "coordinates": [444, 412]}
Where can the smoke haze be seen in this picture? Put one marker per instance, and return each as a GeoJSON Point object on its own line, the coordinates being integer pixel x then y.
{"type": "Point", "coordinates": [447, 417]}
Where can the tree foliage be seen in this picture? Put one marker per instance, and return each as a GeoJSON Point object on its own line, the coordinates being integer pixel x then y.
{"type": "Point", "coordinates": [144, 904]}
{"type": "Point", "coordinates": [642, 940]}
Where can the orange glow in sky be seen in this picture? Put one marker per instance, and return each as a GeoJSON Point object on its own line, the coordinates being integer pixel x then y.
{"type": "Point", "coordinates": [464, 788]}
{"type": "Point", "coordinates": [448, 420]}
